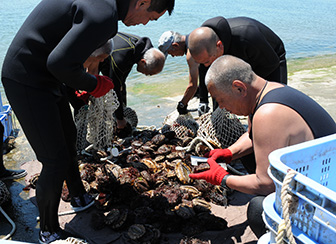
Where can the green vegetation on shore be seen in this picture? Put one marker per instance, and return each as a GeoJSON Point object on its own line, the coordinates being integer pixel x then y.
{"type": "Point", "coordinates": [160, 89]}
{"type": "Point", "coordinates": [177, 86]}
{"type": "Point", "coordinates": [309, 63]}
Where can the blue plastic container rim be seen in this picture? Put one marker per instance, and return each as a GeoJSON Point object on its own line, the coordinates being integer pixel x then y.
{"type": "Point", "coordinates": [275, 160]}
{"type": "Point", "coordinates": [6, 108]}
{"type": "Point", "coordinates": [269, 211]}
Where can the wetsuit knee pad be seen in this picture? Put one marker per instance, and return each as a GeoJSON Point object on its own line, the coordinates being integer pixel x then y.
{"type": "Point", "coordinates": [254, 216]}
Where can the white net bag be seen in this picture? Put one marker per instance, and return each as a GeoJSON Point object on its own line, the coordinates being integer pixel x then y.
{"type": "Point", "coordinates": [81, 120]}
{"type": "Point", "coordinates": [71, 240]}
{"type": "Point", "coordinates": [95, 123]}
{"type": "Point", "coordinates": [220, 127]}
{"type": "Point", "coordinates": [170, 118]}
{"type": "Point", "coordinates": [184, 126]}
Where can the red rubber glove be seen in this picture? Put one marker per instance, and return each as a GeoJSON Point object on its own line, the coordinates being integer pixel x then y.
{"type": "Point", "coordinates": [83, 96]}
{"type": "Point", "coordinates": [215, 154]}
{"type": "Point", "coordinates": [104, 85]}
{"type": "Point", "coordinates": [214, 175]}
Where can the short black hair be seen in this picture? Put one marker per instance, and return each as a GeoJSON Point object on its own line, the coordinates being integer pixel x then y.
{"type": "Point", "coordinates": [161, 5]}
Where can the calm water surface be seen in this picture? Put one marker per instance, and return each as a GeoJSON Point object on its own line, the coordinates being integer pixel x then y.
{"type": "Point", "coordinates": [306, 27]}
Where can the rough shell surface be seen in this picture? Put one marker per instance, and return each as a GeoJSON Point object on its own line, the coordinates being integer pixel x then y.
{"type": "Point", "coordinates": [136, 231]}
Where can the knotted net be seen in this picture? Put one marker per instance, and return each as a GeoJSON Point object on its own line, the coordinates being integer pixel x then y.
{"type": "Point", "coordinates": [95, 122]}
{"type": "Point", "coordinates": [184, 126]}
{"type": "Point", "coordinates": [220, 127]}
{"type": "Point", "coordinates": [71, 240]}
{"type": "Point", "coordinates": [131, 117]}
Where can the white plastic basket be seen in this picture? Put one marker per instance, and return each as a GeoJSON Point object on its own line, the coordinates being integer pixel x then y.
{"type": "Point", "coordinates": [314, 185]}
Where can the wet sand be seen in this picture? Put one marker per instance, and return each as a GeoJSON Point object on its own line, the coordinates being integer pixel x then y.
{"type": "Point", "coordinates": [314, 76]}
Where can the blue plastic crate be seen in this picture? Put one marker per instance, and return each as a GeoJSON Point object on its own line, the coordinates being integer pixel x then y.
{"type": "Point", "coordinates": [7, 110]}
{"type": "Point", "coordinates": [4, 122]}
{"type": "Point", "coordinates": [314, 214]}
{"type": "Point", "coordinates": [1, 106]}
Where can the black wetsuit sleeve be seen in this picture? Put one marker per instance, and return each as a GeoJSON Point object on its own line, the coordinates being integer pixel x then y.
{"type": "Point", "coordinates": [105, 67]}
{"type": "Point", "coordinates": [90, 29]}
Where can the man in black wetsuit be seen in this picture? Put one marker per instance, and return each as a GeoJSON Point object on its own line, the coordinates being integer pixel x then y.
{"type": "Point", "coordinates": [280, 116]}
{"type": "Point", "coordinates": [244, 38]}
{"type": "Point", "coordinates": [129, 50]}
{"type": "Point", "coordinates": [176, 44]}
{"type": "Point", "coordinates": [48, 51]}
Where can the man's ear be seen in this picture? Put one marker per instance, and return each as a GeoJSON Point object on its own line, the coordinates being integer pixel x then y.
{"type": "Point", "coordinates": [142, 63]}
{"type": "Point", "coordinates": [220, 46]}
{"type": "Point", "coordinates": [175, 44]}
{"type": "Point", "coordinates": [143, 3]}
{"type": "Point", "coordinates": [239, 88]}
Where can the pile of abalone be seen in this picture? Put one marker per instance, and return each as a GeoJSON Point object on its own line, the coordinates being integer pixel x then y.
{"type": "Point", "coordinates": [145, 190]}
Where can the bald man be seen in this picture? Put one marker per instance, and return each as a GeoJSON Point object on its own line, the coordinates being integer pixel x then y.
{"type": "Point", "coordinates": [244, 38]}
{"type": "Point", "coordinates": [279, 116]}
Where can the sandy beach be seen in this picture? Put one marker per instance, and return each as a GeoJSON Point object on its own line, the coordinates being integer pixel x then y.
{"type": "Point", "coordinates": [315, 76]}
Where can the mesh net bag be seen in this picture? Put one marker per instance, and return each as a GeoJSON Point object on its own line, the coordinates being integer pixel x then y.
{"type": "Point", "coordinates": [220, 128]}
{"type": "Point", "coordinates": [4, 193]}
{"type": "Point", "coordinates": [131, 117]}
{"type": "Point", "coordinates": [184, 126]}
{"type": "Point", "coordinates": [95, 122]}
{"type": "Point", "coordinates": [170, 118]}
{"type": "Point", "coordinates": [68, 240]}
{"type": "Point", "coordinates": [81, 120]}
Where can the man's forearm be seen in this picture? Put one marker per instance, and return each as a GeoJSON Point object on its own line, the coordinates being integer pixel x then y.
{"type": "Point", "coordinates": [189, 94]}
{"type": "Point", "coordinates": [242, 147]}
{"type": "Point", "coordinates": [250, 184]}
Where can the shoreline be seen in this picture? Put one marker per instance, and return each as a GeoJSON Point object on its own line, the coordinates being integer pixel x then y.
{"type": "Point", "coordinates": [154, 100]}
{"type": "Point", "coordinates": [310, 63]}
{"type": "Point", "coordinates": [177, 86]}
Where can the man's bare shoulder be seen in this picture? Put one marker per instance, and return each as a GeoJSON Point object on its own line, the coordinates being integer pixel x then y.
{"type": "Point", "coordinates": [272, 118]}
{"type": "Point", "coordinates": [281, 123]}
{"type": "Point", "coordinates": [272, 113]}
